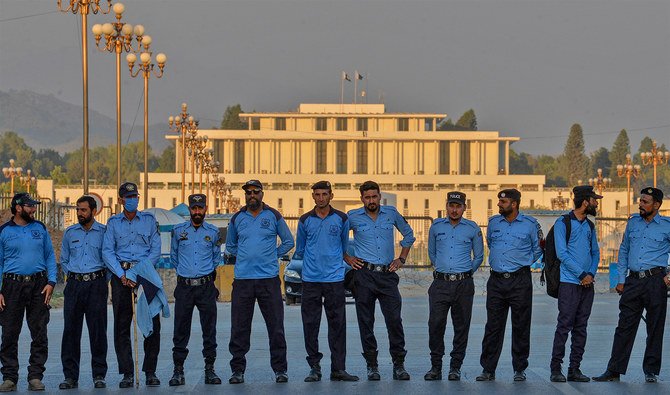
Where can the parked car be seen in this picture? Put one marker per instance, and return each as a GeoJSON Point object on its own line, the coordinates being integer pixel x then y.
{"type": "Point", "coordinates": [293, 281]}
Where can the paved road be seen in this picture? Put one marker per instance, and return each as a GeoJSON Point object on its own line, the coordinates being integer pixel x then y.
{"type": "Point", "coordinates": [259, 376]}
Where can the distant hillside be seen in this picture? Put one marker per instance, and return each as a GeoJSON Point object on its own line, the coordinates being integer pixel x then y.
{"type": "Point", "coordinates": [45, 121]}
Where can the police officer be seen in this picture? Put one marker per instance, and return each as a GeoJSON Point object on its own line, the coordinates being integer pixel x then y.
{"type": "Point", "coordinates": [513, 240]}
{"type": "Point", "coordinates": [323, 233]}
{"type": "Point", "coordinates": [579, 258]}
{"type": "Point", "coordinates": [132, 236]}
{"type": "Point", "coordinates": [456, 249]}
{"type": "Point", "coordinates": [85, 294]}
{"type": "Point", "coordinates": [376, 277]}
{"type": "Point", "coordinates": [252, 242]}
{"type": "Point", "coordinates": [643, 282]}
{"type": "Point", "coordinates": [195, 253]}
{"type": "Point", "coordinates": [28, 268]}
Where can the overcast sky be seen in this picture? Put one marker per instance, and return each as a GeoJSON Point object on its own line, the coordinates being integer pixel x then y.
{"type": "Point", "coordinates": [528, 68]}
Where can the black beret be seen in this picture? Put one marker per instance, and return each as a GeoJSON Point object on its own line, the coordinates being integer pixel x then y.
{"type": "Point", "coordinates": [197, 199]}
{"type": "Point", "coordinates": [655, 193]}
{"type": "Point", "coordinates": [322, 185]}
{"type": "Point", "coordinates": [510, 194]}
{"type": "Point", "coordinates": [585, 191]}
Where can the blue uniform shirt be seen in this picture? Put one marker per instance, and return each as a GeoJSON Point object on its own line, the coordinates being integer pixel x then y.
{"type": "Point", "coordinates": [253, 240]}
{"type": "Point", "coordinates": [581, 255]}
{"type": "Point", "coordinates": [513, 245]}
{"type": "Point", "coordinates": [455, 249]}
{"type": "Point", "coordinates": [374, 240]}
{"type": "Point", "coordinates": [321, 244]}
{"type": "Point", "coordinates": [81, 250]}
{"type": "Point", "coordinates": [26, 250]}
{"type": "Point", "coordinates": [195, 252]}
{"type": "Point", "coordinates": [131, 241]}
{"type": "Point", "coordinates": [645, 245]}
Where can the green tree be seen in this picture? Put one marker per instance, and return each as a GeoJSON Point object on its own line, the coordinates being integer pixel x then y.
{"type": "Point", "coordinates": [59, 177]}
{"type": "Point", "coordinates": [12, 146]}
{"type": "Point", "coordinates": [520, 163]}
{"type": "Point", "coordinates": [231, 119]}
{"type": "Point", "coordinates": [574, 162]}
{"type": "Point", "coordinates": [600, 159]}
{"type": "Point", "coordinates": [166, 162]}
{"type": "Point", "coordinates": [620, 149]}
{"type": "Point", "coordinates": [468, 121]}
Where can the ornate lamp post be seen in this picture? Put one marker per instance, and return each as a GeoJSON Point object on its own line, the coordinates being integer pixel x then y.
{"type": "Point", "coordinates": [84, 7]}
{"type": "Point", "coordinates": [211, 166]}
{"type": "Point", "coordinates": [655, 158]}
{"type": "Point", "coordinates": [146, 67]}
{"type": "Point", "coordinates": [600, 183]}
{"type": "Point", "coordinates": [560, 202]}
{"type": "Point", "coordinates": [225, 194]}
{"type": "Point", "coordinates": [11, 172]}
{"type": "Point", "coordinates": [118, 39]}
{"type": "Point", "coordinates": [203, 156]}
{"type": "Point", "coordinates": [27, 180]}
{"type": "Point", "coordinates": [196, 145]}
{"type": "Point", "coordinates": [628, 170]}
{"type": "Point", "coordinates": [183, 124]}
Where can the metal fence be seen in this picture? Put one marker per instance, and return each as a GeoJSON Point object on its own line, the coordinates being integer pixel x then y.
{"type": "Point", "coordinates": [57, 215]}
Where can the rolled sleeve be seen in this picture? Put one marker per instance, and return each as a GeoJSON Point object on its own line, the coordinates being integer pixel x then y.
{"type": "Point", "coordinates": [406, 230]}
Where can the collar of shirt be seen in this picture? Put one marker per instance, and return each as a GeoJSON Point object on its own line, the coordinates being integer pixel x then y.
{"type": "Point", "coordinates": [96, 226]}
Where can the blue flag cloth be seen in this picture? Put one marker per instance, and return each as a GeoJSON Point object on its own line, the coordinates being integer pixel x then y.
{"type": "Point", "coordinates": [151, 299]}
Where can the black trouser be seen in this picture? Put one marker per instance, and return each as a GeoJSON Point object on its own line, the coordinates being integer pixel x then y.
{"type": "Point", "coordinates": [574, 309]}
{"type": "Point", "coordinates": [504, 294]}
{"type": "Point", "coordinates": [443, 296]}
{"type": "Point", "coordinates": [23, 297]}
{"type": "Point", "coordinates": [649, 294]}
{"type": "Point", "coordinates": [331, 297]}
{"type": "Point", "coordinates": [85, 298]}
{"type": "Point", "coordinates": [382, 286]}
{"type": "Point", "coordinates": [123, 319]}
{"type": "Point", "coordinates": [186, 298]}
{"type": "Point", "coordinates": [267, 292]}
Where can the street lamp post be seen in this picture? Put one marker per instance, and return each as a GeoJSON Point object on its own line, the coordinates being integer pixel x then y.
{"type": "Point", "coordinates": [628, 170]}
{"type": "Point", "coordinates": [118, 39]}
{"type": "Point", "coordinates": [196, 145]}
{"type": "Point", "coordinates": [600, 183]}
{"type": "Point", "coordinates": [84, 7]}
{"type": "Point", "coordinates": [146, 67]}
{"type": "Point", "coordinates": [225, 195]}
{"type": "Point", "coordinates": [183, 124]}
{"type": "Point", "coordinates": [211, 166]}
{"type": "Point", "coordinates": [11, 172]}
{"type": "Point", "coordinates": [28, 180]}
{"type": "Point", "coordinates": [654, 158]}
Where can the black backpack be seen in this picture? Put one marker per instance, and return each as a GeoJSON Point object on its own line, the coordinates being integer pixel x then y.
{"type": "Point", "coordinates": [551, 272]}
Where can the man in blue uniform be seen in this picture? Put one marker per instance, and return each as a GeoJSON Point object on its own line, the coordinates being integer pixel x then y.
{"type": "Point", "coordinates": [252, 243]}
{"type": "Point", "coordinates": [579, 257]}
{"type": "Point", "coordinates": [513, 240]}
{"type": "Point", "coordinates": [322, 239]}
{"type": "Point", "coordinates": [456, 249]}
{"type": "Point", "coordinates": [195, 253]}
{"type": "Point", "coordinates": [85, 294]}
{"type": "Point", "coordinates": [28, 269]}
{"type": "Point", "coordinates": [131, 237]}
{"type": "Point", "coordinates": [643, 283]}
{"type": "Point", "coordinates": [376, 278]}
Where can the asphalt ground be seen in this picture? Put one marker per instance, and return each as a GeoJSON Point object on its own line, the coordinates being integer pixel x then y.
{"type": "Point", "coordinates": [260, 379]}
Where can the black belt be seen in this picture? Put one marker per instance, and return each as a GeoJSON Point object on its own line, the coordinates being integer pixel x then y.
{"type": "Point", "coordinates": [194, 282]}
{"type": "Point", "coordinates": [127, 265]}
{"type": "Point", "coordinates": [87, 276]}
{"type": "Point", "coordinates": [451, 276]}
{"type": "Point", "coordinates": [376, 268]}
{"type": "Point", "coordinates": [24, 278]}
{"type": "Point", "coordinates": [647, 273]}
{"type": "Point", "coordinates": [521, 271]}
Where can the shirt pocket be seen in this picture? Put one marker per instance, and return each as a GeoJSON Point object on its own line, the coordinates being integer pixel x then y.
{"type": "Point", "coordinates": [76, 250]}
{"type": "Point", "coordinates": [520, 239]}
{"type": "Point", "coordinates": [123, 239]}
{"type": "Point", "coordinates": [144, 237]}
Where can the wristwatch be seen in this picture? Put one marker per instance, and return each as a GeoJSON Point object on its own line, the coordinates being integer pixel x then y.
{"type": "Point", "coordinates": [403, 260]}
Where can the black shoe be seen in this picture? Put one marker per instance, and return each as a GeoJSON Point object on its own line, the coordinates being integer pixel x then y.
{"type": "Point", "coordinates": [314, 374]}
{"type": "Point", "coordinates": [211, 376]}
{"type": "Point", "coordinates": [152, 380]}
{"type": "Point", "coordinates": [127, 381]}
{"type": "Point", "coordinates": [99, 382]}
{"type": "Point", "coordinates": [177, 376]}
{"type": "Point", "coordinates": [607, 376]}
{"type": "Point", "coordinates": [486, 376]}
{"type": "Point", "coordinates": [373, 373]}
{"type": "Point", "coordinates": [519, 375]}
{"type": "Point", "coordinates": [454, 374]}
{"type": "Point", "coordinates": [577, 376]}
{"type": "Point", "coordinates": [281, 377]}
{"type": "Point", "coordinates": [557, 377]}
{"type": "Point", "coordinates": [435, 373]}
{"type": "Point", "coordinates": [650, 378]}
{"type": "Point", "coordinates": [68, 384]}
{"type": "Point", "coordinates": [399, 372]}
{"type": "Point", "coordinates": [236, 378]}
{"type": "Point", "coordinates": [342, 375]}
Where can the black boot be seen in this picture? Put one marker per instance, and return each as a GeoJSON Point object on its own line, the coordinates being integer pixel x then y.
{"type": "Point", "coordinates": [399, 372]}
{"type": "Point", "coordinates": [210, 375]}
{"type": "Point", "coordinates": [177, 376]}
{"type": "Point", "coordinates": [435, 373]}
{"type": "Point", "coordinates": [314, 374]}
{"type": "Point", "coordinates": [373, 366]}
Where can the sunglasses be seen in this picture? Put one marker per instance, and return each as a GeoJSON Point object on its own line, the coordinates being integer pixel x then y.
{"type": "Point", "coordinates": [253, 191]}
